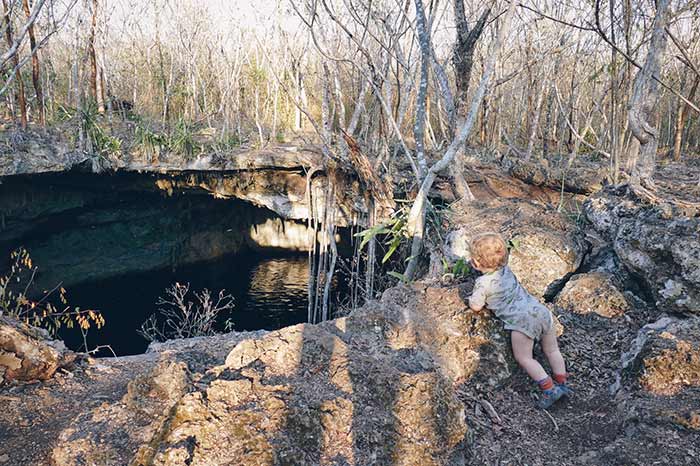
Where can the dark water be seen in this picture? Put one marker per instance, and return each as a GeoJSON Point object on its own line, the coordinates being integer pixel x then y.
{"type": "Point", "coordinates": [116, 242]}
{"type": "Point", "coordinates": [269, 292]}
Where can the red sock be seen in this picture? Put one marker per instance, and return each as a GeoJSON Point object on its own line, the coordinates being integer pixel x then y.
{"type": "Point", "coordinates": [546, 384]}
{"type": "Point", "coordinates": [560, 378]}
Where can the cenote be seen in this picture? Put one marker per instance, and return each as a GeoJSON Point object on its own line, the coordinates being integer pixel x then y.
{"type": "Point", "coordinates": [117, 241]}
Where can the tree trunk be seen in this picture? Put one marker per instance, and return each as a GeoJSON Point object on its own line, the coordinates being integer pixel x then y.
{"type": "Point", "coordinates": [614, 154]}
{"type": "Point", "coordinates": [645, 96]}
{"type": "Point", "coordinates": [463, 60]}
{"type": "Point", "coordinates": [14, 63]}
{"type": "Point", "coordinates": [426, 59]}
{"type": "Point", "coordinates": [91, 54]}
{"type": "Point", "coordinates": [535, 120]}
{"type": "Point", "coordinates": [547, 135]}
{"type": "Point", "coordinates": [680, 120]}
{"type": "Point", "coordinates": [415, 224]}
{"type": "Point", "coordinates": [36, 77]}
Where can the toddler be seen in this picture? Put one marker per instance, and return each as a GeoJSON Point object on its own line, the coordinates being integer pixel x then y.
{"type": "Point", "coordinates": [526, 318]}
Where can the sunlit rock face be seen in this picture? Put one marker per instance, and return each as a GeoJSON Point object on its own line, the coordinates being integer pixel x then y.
{"type": "Point", "coordinates": [281, 234]}
{"type": "Point", "coordinates": [546, 247]}
{"type": "Point", "coordinates": [584, 177]}
{"type": "Point", "coordinates": [28, 353]}
{"type": "Point", "coordinates": [29, 152]}
{"type": "Point", "coordinates": [660, 381]}
{"type": "Point", "coordinates": [375, 387]}
{"type": "Point", "coordinates": [596, 292]}
{"type": "Point", "coordinates": [87, 227]}
{"type": "Point", "coordinates": [275, 178]}
{"type": "Point", "coordinates": [283, 191]}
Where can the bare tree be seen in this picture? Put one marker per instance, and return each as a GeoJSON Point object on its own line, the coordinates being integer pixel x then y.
{"type": "Point", "coordinates": [463, 55]}
{"type": "Point", "coordinates": [683, 110]}
{"type": "Point", "coordinates": [95, 85]}
{"type": "Point", "coordinates": [416, 219]}
{"type": "Point", "coordinates": [36, 73]}
{"type": "Point", "coordinates": [14, 61]}
{"type": "Point", "coordinates": [463, 61]}
{"type": "Point", "coordinates": [645, 96]}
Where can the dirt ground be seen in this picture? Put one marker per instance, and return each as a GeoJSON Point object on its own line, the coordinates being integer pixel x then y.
{"type": "Point", "coordinates": [32, 415]}
{"type": "Point", "coordinates": [592, 427]}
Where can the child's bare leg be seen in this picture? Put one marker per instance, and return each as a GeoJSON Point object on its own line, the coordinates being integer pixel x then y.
{"type": "Point", "coordinates": [522, 350]}
{"type": "Point", "coordinates": [550, 347]}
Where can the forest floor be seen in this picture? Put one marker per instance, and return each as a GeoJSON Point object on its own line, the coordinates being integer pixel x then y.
{"type": "Point", "coordinates": [592, 427]}
{"type": "Point", "coordinates": [589, 428]}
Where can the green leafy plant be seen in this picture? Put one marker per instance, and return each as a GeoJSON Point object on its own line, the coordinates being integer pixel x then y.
{"type": "Point", "coordinates": [394, 231]}
{"type": "Point", "coordinates": [51, 311]}
{"type": "Point", "coordinates": [150, 142]}
{"type": "Point", "coordinates": [182, 141]}
{"type": "Point", "coordinates": [98, 142]}
{"type": "Point", "coordinates": [460, 269]}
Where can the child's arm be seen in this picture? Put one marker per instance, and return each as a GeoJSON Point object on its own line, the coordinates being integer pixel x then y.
{"type": "Point", "coordinates": [477, 300]}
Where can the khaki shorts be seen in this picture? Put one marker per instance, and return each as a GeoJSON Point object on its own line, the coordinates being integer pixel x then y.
{"type": "Point", "coordinates": [534, 322]}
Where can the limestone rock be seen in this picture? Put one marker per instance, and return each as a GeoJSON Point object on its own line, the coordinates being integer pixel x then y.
{"type": "Point", "coordinates": [657, 244]}
{"type": "Point", "coordinates": [364, 389]}
{"type": "Point", "coordinates": [584, 178]}
{"type": "Point", "coordinates": [122, 431]}
{"type": "Point", "coordinates": [375, 387]}
{"type": "Point", "coordinates": [274, 178]}
{"type": "Point", "coordinates": [662, 374]}
{"type": "Point", "coordinates": [28, 353]}
{"type": "Point", "coordinates": [595, 292]}
{"type": "Point", "coordinates": [546, 247]}
{"type": "Point", "coordinates": [30, 152]}
{"type": "Point", "coordinates": [671, 359]}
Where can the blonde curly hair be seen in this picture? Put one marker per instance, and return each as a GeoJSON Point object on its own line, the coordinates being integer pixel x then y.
{"type": "Point", "coordinates": [489, 252]}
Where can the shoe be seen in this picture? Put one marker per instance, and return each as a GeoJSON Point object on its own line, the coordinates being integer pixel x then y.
{"type": "Point", "coordinates": [567, 391]}
{"type": "Point", "coordinates": [549, 397]}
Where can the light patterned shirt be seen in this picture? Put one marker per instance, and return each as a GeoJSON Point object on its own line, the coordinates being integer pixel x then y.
{"type": "Point", "coordinates": [501, 292]}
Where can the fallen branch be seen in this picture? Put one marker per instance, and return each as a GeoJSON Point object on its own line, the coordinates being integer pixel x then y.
{"type": "Point", "coordinates": [491, 411]}
{"type": "Point", "coordinates": [556, 427]}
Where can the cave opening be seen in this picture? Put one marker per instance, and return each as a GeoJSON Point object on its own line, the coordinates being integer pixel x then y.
{"type": "Point", "coordinates": [115, 242]}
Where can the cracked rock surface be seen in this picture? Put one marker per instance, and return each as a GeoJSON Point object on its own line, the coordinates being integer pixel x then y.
{"type": "Point", "coordinates": [657, 244]}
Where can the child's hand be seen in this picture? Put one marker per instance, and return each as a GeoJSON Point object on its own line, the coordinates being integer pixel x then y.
{"type": "Point", "coordinates": [475, 308]}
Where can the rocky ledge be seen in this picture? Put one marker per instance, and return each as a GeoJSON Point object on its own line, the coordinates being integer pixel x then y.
{"type": "Point", "coordinates": [28, 353]}
{"type": "Point", "coordinates": [658, 244]}
{"type": "Point", "coordinates": [275, 178]}
{"type": "Point", "coordinates": [413, 378]}
{"type": "Point", "coordinates": [375, 387]}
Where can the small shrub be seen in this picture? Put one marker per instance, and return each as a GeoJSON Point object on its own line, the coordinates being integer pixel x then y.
{"type": "Point", "coordinates": [182, 139]}
{"type": "Point", "coordinates": [458, 270]}
{"type": "Point", "coordinates": [393, 231]}
{"type": "Point", "coordinates": [150, 142]}
{"type": "Point", "coordinates": [51, 311]}
{"type": "Point", "coordinates": [97, 141]}
{"type": "Point", "coordinates": [181, 317]}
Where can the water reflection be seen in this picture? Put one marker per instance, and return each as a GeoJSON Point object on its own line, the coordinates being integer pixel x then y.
{"type": "Point", "coordinates": [278, 291]}
{"type": "Point", "coordinates": [270, 292]}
